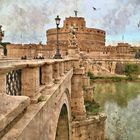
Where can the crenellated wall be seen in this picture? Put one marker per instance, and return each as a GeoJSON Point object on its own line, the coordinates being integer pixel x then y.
{"type": "Point", "coordinates": [17, 51]}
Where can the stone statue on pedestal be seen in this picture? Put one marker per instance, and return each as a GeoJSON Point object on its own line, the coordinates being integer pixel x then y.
{"type": "Point", "coordinates": [73, 42]}
{"type": "Point", "coordinates": [1, 47]}
{"type": "Point", "coordinates": [1, 33]}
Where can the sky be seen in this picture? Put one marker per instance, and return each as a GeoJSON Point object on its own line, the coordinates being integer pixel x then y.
{"type": "Point", "coordinates": [26, 21]}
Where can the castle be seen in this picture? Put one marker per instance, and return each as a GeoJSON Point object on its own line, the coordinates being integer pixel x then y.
{"type": "Point", "coordinates": [91, 42]}
{"type": "Point", "coordinates": [88, 38]}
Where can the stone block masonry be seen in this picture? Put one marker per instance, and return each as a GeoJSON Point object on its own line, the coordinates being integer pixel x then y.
{"type": "Point", "coordinates": [57, 87]}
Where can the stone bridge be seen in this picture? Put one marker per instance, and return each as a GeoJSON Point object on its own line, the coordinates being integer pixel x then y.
{"type": "Point", "coordinates": [107, 66]}
{"type": "Point", "coordinates": [44, 100]}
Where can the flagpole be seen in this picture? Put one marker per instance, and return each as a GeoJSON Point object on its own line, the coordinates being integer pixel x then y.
{"type": "Point", "coordinates": [123, 38]}
{"type": "Point", "coordinates": [21, 39]}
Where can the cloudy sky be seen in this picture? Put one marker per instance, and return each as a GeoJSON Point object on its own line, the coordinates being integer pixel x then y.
{"type": "Point", "coordinates": [29, 19]}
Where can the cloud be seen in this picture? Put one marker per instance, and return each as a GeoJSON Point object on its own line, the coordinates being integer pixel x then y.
{"type": "Point", "coordinates": [31, 18]}
{"type": "Point", "coordinates": [117, 19]}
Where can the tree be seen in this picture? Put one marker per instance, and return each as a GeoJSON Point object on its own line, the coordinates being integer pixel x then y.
{"type": "Point", "coordinates": [131, 70]}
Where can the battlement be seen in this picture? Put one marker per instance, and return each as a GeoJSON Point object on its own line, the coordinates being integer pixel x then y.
{"type": "Point", "coordinates": [79, 22]}
{"type": "Point", "coordinates": [96, 31]}
{"type": "Point", "coordinates": [123, 45]}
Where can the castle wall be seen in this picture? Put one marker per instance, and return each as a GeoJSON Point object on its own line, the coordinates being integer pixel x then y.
{"type": "Point", "coordinates": [87, 37]}
{"type": "Point", "coordinates": [90, 40]}
{"type": "Point", "coordinates": [28, 50]}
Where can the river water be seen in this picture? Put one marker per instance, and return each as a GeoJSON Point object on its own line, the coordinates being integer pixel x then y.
{"type": "Point", "coordinates": [121, 103]}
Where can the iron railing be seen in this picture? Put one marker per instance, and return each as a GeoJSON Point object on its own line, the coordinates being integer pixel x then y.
{"type": "Point", "coordinates": [13, 82]}
{"type": "Point", "coordinates": [40, 75]}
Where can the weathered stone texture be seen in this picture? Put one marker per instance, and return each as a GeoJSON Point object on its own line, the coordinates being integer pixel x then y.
{"type": "Point", "coordinates": [10, 109]}
{"type": "Point", "coordinates": [2, 84]}
{"type": "Point", "coordinates": [89, 129]}
{"type": "Point", "coordinates": [30, 81]}
{"type": "Point", "coordinates": [77, 98]}
{"type": "Point", "coordinates": [41, 120]}
{"type": "Point", "coordinates": [47, 75]}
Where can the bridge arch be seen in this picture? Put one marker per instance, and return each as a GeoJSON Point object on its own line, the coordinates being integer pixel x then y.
{"type": "Point", "coordinates": [63, 125]}
{"type": "Point", "coordinates": [62, 132]}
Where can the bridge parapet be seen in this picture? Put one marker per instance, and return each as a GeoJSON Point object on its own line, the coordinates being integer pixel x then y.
{"type": "Point", "coordinates": [30, 78]}
{"type": "Point", "coordinates": [61, 85]}
{"type": "Point", "coordinates": [27, 77]}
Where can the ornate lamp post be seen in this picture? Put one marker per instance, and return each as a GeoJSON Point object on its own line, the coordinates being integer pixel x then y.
{"type": "Point", "coordinates": [57, 54]}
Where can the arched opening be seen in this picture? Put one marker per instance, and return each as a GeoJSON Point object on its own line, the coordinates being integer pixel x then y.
{"type": "Point", "coordinates": [62, 132]}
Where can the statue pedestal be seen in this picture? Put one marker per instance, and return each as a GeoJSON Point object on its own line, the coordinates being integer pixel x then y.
{"type": "Point", "coordinates": [73, 52]}
{"type": "Point", "coordinates": [1, 52]}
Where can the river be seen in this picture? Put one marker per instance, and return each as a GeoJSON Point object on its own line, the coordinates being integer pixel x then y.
{"type": "Point", "coordinates": [121, 103]}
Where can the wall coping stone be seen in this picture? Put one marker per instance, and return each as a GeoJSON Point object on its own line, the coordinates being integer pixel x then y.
{"type": "Point", "coordinates": [7, 66]}
{"type": "Point", "coordinates": [10, 108]}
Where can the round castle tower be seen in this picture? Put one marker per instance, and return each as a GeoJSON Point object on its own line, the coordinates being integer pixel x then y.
{"type": "Point", "coordinates": [88, 38]}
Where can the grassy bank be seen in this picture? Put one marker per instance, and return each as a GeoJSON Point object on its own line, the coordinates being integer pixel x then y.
{"type": "Point", "coordinates": [113, 79]}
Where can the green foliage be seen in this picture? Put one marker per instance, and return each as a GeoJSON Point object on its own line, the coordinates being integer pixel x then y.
{"type": "Point", "coordinates": [41, 99]}
{"type": "Point", "coordinates": [116, 79]}
{"type": "Point", "coordinates": [131, 70]}
{"type": "Point", "coordinates": [92, 107]}
{"type": "Point", "coordinates": [109, 79]}
{"type": "Point", "coordinates": [90, 74]}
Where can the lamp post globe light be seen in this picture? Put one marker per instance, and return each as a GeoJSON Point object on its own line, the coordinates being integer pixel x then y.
{"type": "Point", "coordinates": [57, 54]}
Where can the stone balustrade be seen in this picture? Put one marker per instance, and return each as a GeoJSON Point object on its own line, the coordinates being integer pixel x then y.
{"type": "Point", "coordinates": [28, 78]}
{"type": "Point", "coordinates": [65, 67]}
{"type": "Point", "coordinates": [61, 68]}
{"type": "Point", "coordinates": [33, 75]}
{"type": "Point", "coordinates": [56, 72]}
{"type": "Point", "coordinates": [47, 77]}
{"type": "Point", "coordinates": [60, 84]}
